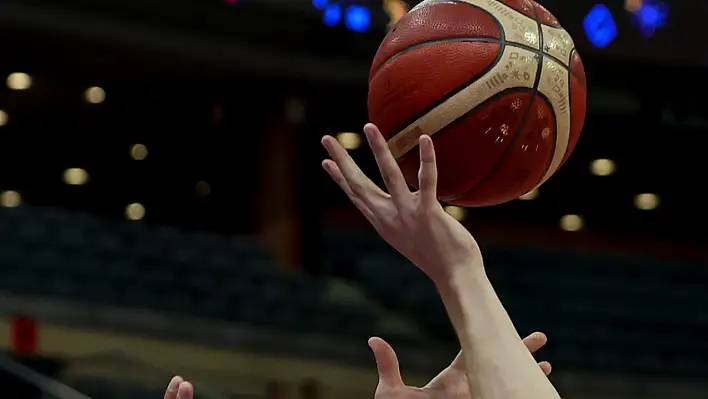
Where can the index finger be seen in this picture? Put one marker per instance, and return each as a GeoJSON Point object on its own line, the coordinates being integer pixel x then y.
{"type": "Point", "coordinates": [360, 184]}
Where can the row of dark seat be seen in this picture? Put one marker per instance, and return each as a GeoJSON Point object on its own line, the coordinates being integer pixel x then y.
{"type": "Point", "coordinates": [51, 253]}
{"type": "Point", "coordinates": [105, 388]}
{"type": "Point", "coordinates": [601, 312]}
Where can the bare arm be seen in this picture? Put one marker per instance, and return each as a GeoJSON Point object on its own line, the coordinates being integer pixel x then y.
{"type": "Point", "coordinates": [498, 364]}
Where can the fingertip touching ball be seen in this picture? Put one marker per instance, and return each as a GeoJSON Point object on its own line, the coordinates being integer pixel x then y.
{"type": "Point", "coordinates": [498, 86]}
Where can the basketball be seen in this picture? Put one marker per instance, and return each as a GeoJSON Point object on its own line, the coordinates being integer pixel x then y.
{"type": "Point", "coordinates": [498, 86]}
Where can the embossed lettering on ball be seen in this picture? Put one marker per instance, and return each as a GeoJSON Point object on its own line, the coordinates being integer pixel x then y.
{"type": "Point", "coordinates": [498, 86]}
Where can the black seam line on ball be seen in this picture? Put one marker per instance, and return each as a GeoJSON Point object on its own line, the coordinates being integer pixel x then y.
{"type": "Point", "coordinates": [451, 93]}
{"type": "Point", "coordinates": [500, 27]}
{"type": "Point", "coordinates": [478, 40]}
{"type": "Point", "coordinates": [497, 22]}
{"type": "Point", "coordinates": [502, 34]}
{"type": "Point", "coordinates": [474, 111]}
{"type": "Point", "coordinates": [502, 47]}
{"type": "Point", "coordinates": [517, 135]}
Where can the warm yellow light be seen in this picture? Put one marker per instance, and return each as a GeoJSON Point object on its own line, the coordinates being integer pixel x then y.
{"type": "Point", "coordinates": [571, 223]}
{"type": "Point", "coordinates": [350, 141]}
{"type": "Point", "coordinates": [135, 211]}
{"type": "Point", "coordinates": [138, 152]}
{"type": "Point", "coordinates": [633, 5]}
{"type": "Point", "coordinates": [95, 95]}
{"type": "Point", "coordinates": [457, 212]}
{"type": "Point", "coordinates": [395, 9]}
{"type": "Point", "coordinates": [19, 81]}
{"type": "Point", "coordinates": [75, 176]}
{"type": "Point", "coordinates": [531, 195]}
{"type": "Point", "coordinates": [602, 167]}
{"type": "Point", "coordinates": [3, 118]}
{"type": "Point", "coordinates": [10, 199]}
{"type": "Point", "coordinates": [646, 201]}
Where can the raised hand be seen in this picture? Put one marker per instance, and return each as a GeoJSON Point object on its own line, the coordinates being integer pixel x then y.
{"type": "Point", "coordinates": [178, 388]}
{"type": "Point", "coordinates": [451, 383]}
{"type": "Point", "coordinates": [414, 223]}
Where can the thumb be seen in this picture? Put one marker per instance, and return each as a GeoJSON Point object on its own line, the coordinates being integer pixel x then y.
{"type": "Point", "coordinates": [458, 363]}
{"type": "Point", "coordinates": [386, 363]}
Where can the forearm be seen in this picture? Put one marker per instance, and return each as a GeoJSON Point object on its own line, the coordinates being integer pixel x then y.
{"type": "Point", "coordinates": [498, 364]}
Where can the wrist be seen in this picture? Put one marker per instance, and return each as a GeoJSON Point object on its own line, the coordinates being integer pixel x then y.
{"type": "Point", "coordinates": [462, 281]}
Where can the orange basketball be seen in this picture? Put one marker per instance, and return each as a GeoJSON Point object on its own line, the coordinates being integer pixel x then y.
{"type": "Point", "coordinates": [498, 86]}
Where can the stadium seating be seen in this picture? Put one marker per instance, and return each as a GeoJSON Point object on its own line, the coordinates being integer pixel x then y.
{"type": "Point", "coordinates": [611, 314]}
{"type": "Point", "coordinates": [109, 389]}
{"type": "Point", "coordinates": [105, 388]}
{"type": "Point", "coordinates": [51, 253]}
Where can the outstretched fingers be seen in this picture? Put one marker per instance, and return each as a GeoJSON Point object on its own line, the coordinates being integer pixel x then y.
{"type": "Point", "coordinates": [428, 173]}
{"type": "Point", "coordinates": [359, 186]}
{"type": "Point", "coordinates": [173, 387]}
{"type": "Point", "coordinates": [179, 389]}
{"type": "Point", "coordinates": [534, 342]}
{"type": "Point", "coordinates": [336, 174]}
{"type": "Point", "coordinates": [364, 193]}
{"type": "Point", "coordinates": [391, 173]}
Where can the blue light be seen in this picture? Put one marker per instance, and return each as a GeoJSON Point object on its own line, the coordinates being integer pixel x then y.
{"type": "Point", "coordinates": [320, 4]}
{"type": "Point", "coordinates": [332, 15]}
{"type": "Point", "coordinates": [651, 16]}
{"type": "Point", "coordinates": [358, 18]}
{"type": "Point", "coordinates": [599, 26]}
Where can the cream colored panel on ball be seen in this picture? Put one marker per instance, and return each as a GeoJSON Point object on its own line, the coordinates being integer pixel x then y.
{"type": "Point", "coordinates": [554, 86]}
{"type": "Point", "coordinates": [518, 28]}
{"type": "Point", "coordinates": [516, 68]}
{"type": "Point", "coordinates": [557, 43]}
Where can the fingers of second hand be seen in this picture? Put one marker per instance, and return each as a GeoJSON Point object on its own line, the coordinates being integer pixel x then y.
{"type": "Point", "coordinates": [171, 392]}
{"type": "Point", "coordinates": [391, 173]}
{"type": "Point", "coordinates": [535, 341]}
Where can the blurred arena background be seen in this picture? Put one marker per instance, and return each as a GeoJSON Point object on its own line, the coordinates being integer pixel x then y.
{"type": "Point", "coordinates": [164, 211]}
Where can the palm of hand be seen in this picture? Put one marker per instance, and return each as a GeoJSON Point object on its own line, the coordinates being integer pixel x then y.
{"type": "Point", "coordinates": [414, 223]}
{"type": "Point", "coordinates": [427, 237]}
{"type": "Point", "coordinates": [451, 383]}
